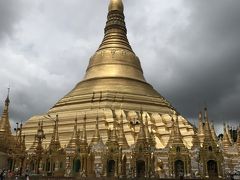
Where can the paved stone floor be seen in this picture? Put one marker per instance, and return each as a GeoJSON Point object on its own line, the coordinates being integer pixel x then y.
{"type": "Point", "coordinates": [91, 178]}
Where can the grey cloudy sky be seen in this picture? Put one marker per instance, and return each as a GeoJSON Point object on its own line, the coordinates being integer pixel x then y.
{"type": "Point", "coordinates": [189, 50]}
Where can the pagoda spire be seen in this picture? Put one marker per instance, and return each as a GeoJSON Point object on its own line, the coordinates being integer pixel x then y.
{"type": "Point", "coordinates": [141, 135]}
{"type": "Point", "coordinates": [37, 144]}
{"type": "Point", "coordinates": [122, 141]}
{"type": "Point", "coordinates": [55, 136]}
{"type": "Point", "coordinates": [146, 129]}
{"type": "Point", "coordinates": [175, 136]}
{"type": "Point", "coordinates": [33, 147]}
{"type": "Point", "coordinates": [75, 130]}
{"type": "Point", "coordinates": [226, 143]}
{"type": "Point", "coordinates": [149, 135]}
{"type": "Point", "coordinates": [152, 139]}
{"type": "Point", "coordinates": [209, 142]}
{"type": "Point", "coordinates": [238, 138]}
{"type": "Point", "coordinates": [115, 29]}
{"type": "Point", "coordinates": [96, 138]}
{"type": "Point", "coordinates": [207, 130]}
{"type": "Point", "coordinates": [114, 137]}
{"type": "Point", "coordinates": [23, 143]}
{"type": "Point", "coordinates": [112, 142]}
{"type": "Point", "coordinates": [4, 123]}
{"type": "Point", "coordinates": [55, 143]}
{"type": "Point", "coordinates": [213, 132]}
{"type": "Point", "coordinates": [229, 134]}
{"type": "Point", "coordinates": [7, 101]}
{"type": "Point", "coordinates": [195, 141]}
{"type": "Point", "coordinates": [84, 129]}
{"type": "Point", "coordinates": [200, 128]}
{"type": "Point", "coordinates": [74, 141]}
{"type": "Point", "coordinates": [83, 142]}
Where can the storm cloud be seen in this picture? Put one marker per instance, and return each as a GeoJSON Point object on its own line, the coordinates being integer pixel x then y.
{"type": "Point", "coordinates": [189, 51]}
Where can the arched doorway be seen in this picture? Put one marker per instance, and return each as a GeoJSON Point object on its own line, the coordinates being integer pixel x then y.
{"type": "Point", "coordinates": [32, 167]}
{"type": "Point", "coordinates": [140, 167]}
{"type": "Point", "coordinates": [179, 168]}
{"type": "Point", "coordinates": [76, 165]}
{"type": "Point", "coordinates": [90, 165]}
{"type": "Point", "coordinates": [53, 166]}
{"type": "Point", "coordinates": [48, 166]}
{"type": "Point", "coordinates": [10, 164]}
{"type": "Point", "coordinates": [212, 168]}
{"type": "Point", "coordinates": [110, 168]}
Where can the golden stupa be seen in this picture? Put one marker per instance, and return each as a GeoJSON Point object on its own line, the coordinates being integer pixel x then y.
{"type": "Point", "coordinates": [113, 84]}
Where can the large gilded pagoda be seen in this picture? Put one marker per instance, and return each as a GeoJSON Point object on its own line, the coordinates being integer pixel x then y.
{"type": "Point", "coordinates": [113, 83]}
{"type": "Point", "coordinates": [115, 124]}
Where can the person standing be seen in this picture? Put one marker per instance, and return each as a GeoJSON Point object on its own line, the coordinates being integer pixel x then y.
{"type": "Point", "coordinates": [2, 174]}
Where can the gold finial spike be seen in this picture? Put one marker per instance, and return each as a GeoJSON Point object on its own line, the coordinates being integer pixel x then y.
{"type": "Point", "coordinates": [39, 125]}
{"type": "Point", "coordinates": [122, 141]}
{"type": "Point", "coordinates": [7, 101]}
{"type": "Point", "coordinates": [238, 138]}
{"type": "Point", "coordinates": [57, 120]}
{"type": "Point", "coordinates": [55, 143]}
{"type": "Point", "coordinates": [206, 114]}
{"type": "Point", "coordinates": [214, 136]}
{"type": "Point", "coordinates": [115, 5]}
{"type": "Point", "coordinates": [75, 131]}
{"type": "Point", "coordinates": [141, 114]}
{"type": "Point", "coordinates": [200, 116]}
{"type": "Point", "coordinates": [84, 120]}
{"type": "Point", "coordinates": [4, 119]}
{"type": "Point", "coordinates": [8, 91]}
{"type": "Point", "coordinates": [84, 128]}
{"type": "Point", "coordinates": [225, 141]}
{"type": "Point", "coordinates": [97, 128]}
{"type": "Point", "coordinates": [146, 128]}
{"type": "Point", "coordinates": [141, 133]}
{"type": "Point", "coordinates": [200, 124]}
{"type": "Point", "coordinates": [55, 136]}
{"type": "Point", "coordinates": [96, 138]}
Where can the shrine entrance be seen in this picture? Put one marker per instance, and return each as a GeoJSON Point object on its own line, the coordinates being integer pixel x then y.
{"type": "Point", "coordinates": [48, 165]}
{"type": "Point", "coordinates": [76, 165]}
{"type": "Point", "coordinates": [212, 169]}
{"type": "Point", "coordinates": [140, 167]}
{"type": "Point", "coordinates": [90, 165]}
{"type": "Point", "coordinates": [32, 166]}
{"type": "Point", "coordinates": [10, 164]}
{"type": "Point", "coordinates": [111, 168]}
{"type": "Point", "coordinates": [179, 168]}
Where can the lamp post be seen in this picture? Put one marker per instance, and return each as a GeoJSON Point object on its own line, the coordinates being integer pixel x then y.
{"type": "Point", "coordinates": [19, 148]}
{"type": "Point", "coordinates": [39, 150]}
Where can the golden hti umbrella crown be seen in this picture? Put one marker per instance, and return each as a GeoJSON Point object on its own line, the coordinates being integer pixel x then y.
{"type": "Point", "coordinates": [116, 5]}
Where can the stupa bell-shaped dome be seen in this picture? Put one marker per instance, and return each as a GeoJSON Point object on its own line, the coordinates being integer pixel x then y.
{"type": "Point", "coordinates": [115, 57]}
{"type": "Point", "coordinates": [114, 67]}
